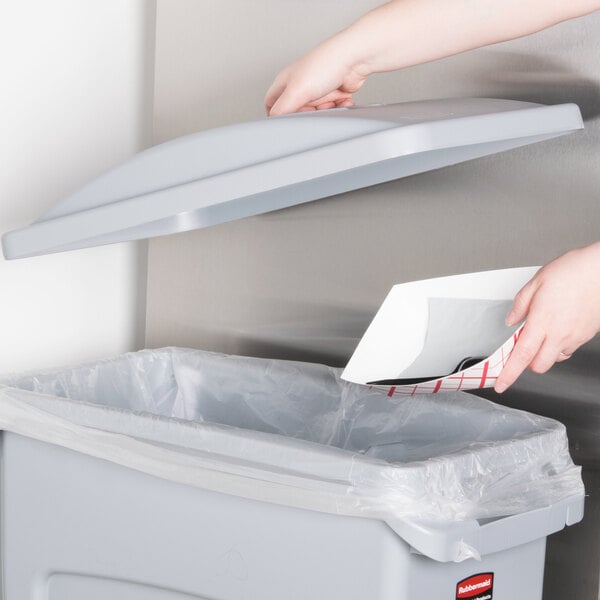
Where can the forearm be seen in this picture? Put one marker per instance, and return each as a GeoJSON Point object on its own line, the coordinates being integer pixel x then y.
{"type": "Point", "coordinates": [409, 32]}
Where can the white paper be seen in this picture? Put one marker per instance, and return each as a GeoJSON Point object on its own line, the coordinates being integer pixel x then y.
{"type": "Point", "coordinates": [425, 329]}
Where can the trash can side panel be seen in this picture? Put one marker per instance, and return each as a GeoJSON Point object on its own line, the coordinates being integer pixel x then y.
{"type": "Point", "coordinates": [68, 513]}
{"type": "Point", "coordinates": [70, 585]}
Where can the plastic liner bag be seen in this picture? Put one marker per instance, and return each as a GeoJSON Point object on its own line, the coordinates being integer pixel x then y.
{"type": "Point", "coordinates": [295, 434]}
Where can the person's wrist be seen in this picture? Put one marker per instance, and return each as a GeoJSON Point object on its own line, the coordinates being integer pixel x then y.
{"type": "Point", "coordinates": [352, 51]}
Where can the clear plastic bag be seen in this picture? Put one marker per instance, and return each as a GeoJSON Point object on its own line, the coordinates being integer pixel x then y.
{"type": "Point", "coordinates": [295, 434]}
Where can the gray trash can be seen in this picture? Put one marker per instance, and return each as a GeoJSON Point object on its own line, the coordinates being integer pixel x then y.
{"type": "Point", "coordinates": [177, 474]}
{"type": "Point", "coordinates": [173, 474]}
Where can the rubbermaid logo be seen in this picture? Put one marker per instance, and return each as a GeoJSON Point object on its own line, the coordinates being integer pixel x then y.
{"type": "Point", "coordinates": [476, 587]}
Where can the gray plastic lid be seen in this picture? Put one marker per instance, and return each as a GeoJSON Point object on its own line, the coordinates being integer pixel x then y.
{"type": "Point", "coordinates": [251, 168]}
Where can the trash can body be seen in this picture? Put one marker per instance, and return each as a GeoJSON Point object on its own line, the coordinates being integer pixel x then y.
{"type": "Point", "coordinates": [178, 474]}
{"type": "Point", "coordinates": [77, 527]}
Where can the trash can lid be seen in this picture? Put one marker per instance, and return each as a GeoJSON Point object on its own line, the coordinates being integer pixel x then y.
{"type": "Point", "coordinates": [251, 168]}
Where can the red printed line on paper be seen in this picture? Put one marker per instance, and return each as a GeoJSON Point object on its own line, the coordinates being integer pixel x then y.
{"type": "Point", "coordinates": [486, 366]}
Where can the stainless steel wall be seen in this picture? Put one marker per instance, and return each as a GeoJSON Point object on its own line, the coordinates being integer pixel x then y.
{"type": "Point", "coordinates": [304, 283]}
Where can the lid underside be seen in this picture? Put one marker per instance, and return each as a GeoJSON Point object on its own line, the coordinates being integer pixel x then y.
{"type": "Point", "coordinates": [252, 168]}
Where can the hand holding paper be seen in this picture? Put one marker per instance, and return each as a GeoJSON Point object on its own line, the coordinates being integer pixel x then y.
{"type": "Point", "coordinates": [562, 306]}
{"type": "Point", "coordinates": [442, 334]}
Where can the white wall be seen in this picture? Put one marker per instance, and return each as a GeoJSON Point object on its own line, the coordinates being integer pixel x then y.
{"type": "Point", "coordinates": [75, 83]}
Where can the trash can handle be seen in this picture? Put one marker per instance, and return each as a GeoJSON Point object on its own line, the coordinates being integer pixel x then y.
{"type": "Point", "coordinates": [514, 530]}
{"type": "Point", "coordinates": [455, 542]}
